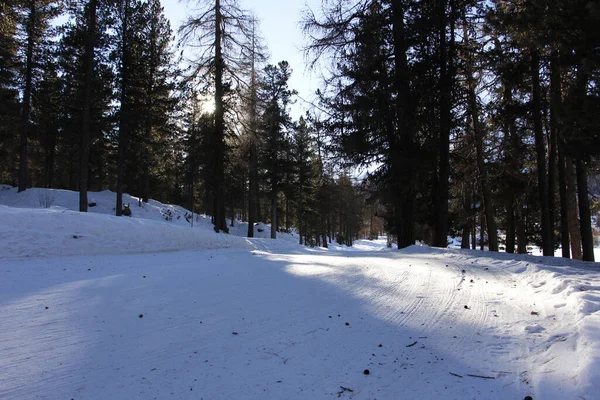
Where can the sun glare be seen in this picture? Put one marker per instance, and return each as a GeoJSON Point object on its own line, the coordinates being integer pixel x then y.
{"type": "Point", "coordinates": [208, 105]}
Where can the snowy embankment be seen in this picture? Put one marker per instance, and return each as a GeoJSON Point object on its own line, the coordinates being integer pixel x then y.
{"type": "Point", "coordinates": [45, 222]}
{"type": "Point", "coordinates": [266, 319]}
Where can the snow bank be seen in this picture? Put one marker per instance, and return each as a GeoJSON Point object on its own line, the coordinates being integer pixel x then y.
{"type": "Point", "coordinates": [46, 222]}
{"type": "Point", "coordinates": [57, 231]}
{"type": "Point", "coordinates": [565, 296]}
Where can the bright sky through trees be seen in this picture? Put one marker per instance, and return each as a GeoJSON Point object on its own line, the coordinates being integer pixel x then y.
{"type": "Point", "coordinates": [279, 25]}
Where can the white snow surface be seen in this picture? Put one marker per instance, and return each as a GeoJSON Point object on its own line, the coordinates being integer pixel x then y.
{"type": "Point", "coordinates": [100, 307]}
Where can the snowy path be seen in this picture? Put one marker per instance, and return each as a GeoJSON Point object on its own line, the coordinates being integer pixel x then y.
{"type": "Point", "coordinates": [272, 323]}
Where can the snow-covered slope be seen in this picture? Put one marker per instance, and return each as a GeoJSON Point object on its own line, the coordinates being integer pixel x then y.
{"type": "Point", "coordinates": [45, 222]}
{"type": "Point", "coordinates": [232, 318]}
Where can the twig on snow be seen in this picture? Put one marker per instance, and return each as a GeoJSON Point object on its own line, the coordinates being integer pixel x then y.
{"type": "Point", "coordinates": [344, 389]}
{"type": "Point", "coordinates": [481, 376]}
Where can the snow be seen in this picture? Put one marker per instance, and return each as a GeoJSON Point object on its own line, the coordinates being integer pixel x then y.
{"type": "Point", "coordinates": [94, 306]}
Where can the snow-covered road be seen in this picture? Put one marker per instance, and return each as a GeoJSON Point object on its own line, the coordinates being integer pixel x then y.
{"type": "Point", "coordinates": [272, 323]}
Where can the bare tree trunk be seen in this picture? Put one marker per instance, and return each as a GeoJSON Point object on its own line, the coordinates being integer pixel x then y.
{"type": "Point", "coordinates": [253, 173]}
{"type": "Point", "coordinates": [482, 231]}
{"type": "Point", "coordinates": [274, 213]}
{"type": "Point", "coordinates": [464, 243]}
{"type": "Point", "coordinates": [474, 233]}
{"type": "Point", "coordinates": [467, 212]}
{"type": "Point", "coordinates": [510, 225]}
{"type": "Point", "coordinates": [585, 220]}
{"type": "Point", "coordinates": [219, 156]}
{"type": "Point", "coordinates": [49, 155]}
{"type": "Point", "coordinates": [573, 211]}
{"type": "Point", "coordinates": [521, 235]}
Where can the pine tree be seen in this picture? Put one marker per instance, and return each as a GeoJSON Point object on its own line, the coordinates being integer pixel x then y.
{"type": "Point", "coordinates": [90, 39]}
{"type": "Point", "coordinates": [158, 81]}
{"type": "Point", "coordinates": [9, 96]}
{"type": "Point", "coordinates": [220, 30]}
{"type": "Point", "coordinates": [35, 23]}
{"type": "Point", "coordinates": [275, 96]}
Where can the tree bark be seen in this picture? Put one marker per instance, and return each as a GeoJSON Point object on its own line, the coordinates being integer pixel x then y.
{"type": "Point", "coordinates": [482, 232]}
{"type": "Point", "coordinates": [585, 220]}
{"type": "Point", "coordinates": [467, 213]}
{"type": "Point", "coordinates": [274, 213]}
{"type": "Point", "coordinates": [521, 234]}
{"type": "Point", "coordinates": [572, 210]}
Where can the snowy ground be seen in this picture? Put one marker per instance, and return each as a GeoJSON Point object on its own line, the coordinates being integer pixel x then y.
{"type": "Point", "coordinates": [116, 312]}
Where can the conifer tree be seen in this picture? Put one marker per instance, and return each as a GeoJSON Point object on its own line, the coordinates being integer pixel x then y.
{"type": "Point", "coordinates": [35, 17]}
{"type": "Point", "coordinates": [9, 97]}
{"type": "Point", "coordinates": [220, 30]}
{"type": "Point", "coordinates": [275, 96]}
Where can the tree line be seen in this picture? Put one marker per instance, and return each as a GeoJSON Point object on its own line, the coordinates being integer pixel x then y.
{"type": "Point", "coordinates": [479, 113]}
{"type": "Point", "coordinates": [471, 116]}
{"type": "Point", "coordinates": [96, 94]}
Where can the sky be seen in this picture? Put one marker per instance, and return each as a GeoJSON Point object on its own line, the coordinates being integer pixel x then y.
{"type": "Point", "coordinates": [279, 23]}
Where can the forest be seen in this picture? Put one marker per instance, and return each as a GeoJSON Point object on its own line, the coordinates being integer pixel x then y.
{"type": "Point", "coordinates": [435, 118]}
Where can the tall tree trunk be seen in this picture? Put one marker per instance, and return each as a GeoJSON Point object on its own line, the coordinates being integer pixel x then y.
{"type": "Point", "coordinates": [440, 222]}
{"type": "Point", "coordinates": [86, 118]}
{"type": "Point", "coordinates": [474, 233]}
{"type": "Point", "coordinates": [464, 244]}
{"type": "Point", "coordinates": [149, 118]}
{"type": "Point", "coordinates": [555, 105]}
{"type": "Point", "coordinates": [482, 231]}
{"type": "Point", "coordinates": [244, 211]}
{"type": "Point", "coordinates": [467, 213]}
{"type": "Point", "coordinates": [252, 187]}
{"type": "Point", "coordinates": [478, 132]}
{"type": "Point", "coordinates": [572, 210]}
{"type": "Point", "coordinates": [510, 225]}
{"type": "Point", "coordinates": [124, 112]}
{"type": "Point", "coordinates": [511, 149]}
{"type": "Point", "coordinates": [515, 165]}
{"type": "Point", "coordinates": [564, 207]}
{"type": "Point", "coordinates": [521, 234]}
{"type": "Point", "coordinates": [274, 213]}
{"type": "Point", "coordinates": [49, 155]}
{"type": "Point", "coordinates": [585, 220]}
{"type": "Point", "coordinates": [26, 110]}
{"type": "Point", "coordinates": [552, 172]}
{"type": "Point", "coordinates": [536, 109]}
{"type": "Point", "coordinates": [404, 148]}
{"type": "Point", "coordinates": [253, 150]}
{"type": "Point", "coordinates": [219, 156]}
